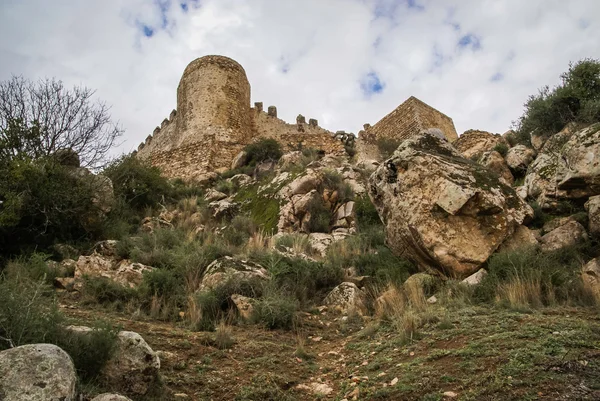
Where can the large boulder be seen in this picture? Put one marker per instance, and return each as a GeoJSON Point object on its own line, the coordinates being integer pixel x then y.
{"type": "Point", "coordinates": [523, 237]}
{"type": "Point", "coordinates": [441, 210]}
{"type": "Point", "coordinates": [134, 366]}
{"type": "Point", "coordinates": [346, 298]}
{"type": "Point", "coordinates": [474, 143]}
{"type": "Point", "coordinates": [496, 163]}
{"type": "Point", "coordinates": [37, 372]}
{"type": "Point", "coordinates": [227, 269]}
{"type": "Point", "coordinates": [568, 167]}
{"type": "Point", "coordinates": [570, 234]}
{"type": "Point", "coordinates": [591, 276]}
{"type": "Point", "coordinates": [519, 158]}
{"type": "Point", "coordinates": [124, 272]}
{"type": "Point", "coordinates": [593, 208]}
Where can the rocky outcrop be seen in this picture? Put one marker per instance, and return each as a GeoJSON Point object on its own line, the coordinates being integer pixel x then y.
{"type": "Point", "coordinates": [110, 397]}
{"type": "Point", "coordinates": [570, 234]}
{"type": "Point", "coordinates": [591, 276]}
{"type": "Point", "coordinates": [134, 366]}
{"type": "Point", "coordinates": [213, 195]}
{"type": "Point", "coordinates": [124, 272]}
{"type": "Point", "coordinates": [519, 158]}
{"type": "Point", "coordinates": [346, 298]}
{"type": "Point", "coordinates": [441, 210]}
{"type": "Point", "coordinates": [568, 167]}
{"type": "Point", "coordinates": [592, 206]}
{"type": "Point", "coordinates": [226, 269]}
{"type": "Point", "coordinates": [496, 163]}
{"type": "Point", "coordinates": [37, 372]}
{"type": "Point", "coordinates": [473, 143]}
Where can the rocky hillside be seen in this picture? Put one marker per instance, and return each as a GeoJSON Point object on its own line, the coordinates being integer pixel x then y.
{"type": "Point", "coordinates": [448, 271]}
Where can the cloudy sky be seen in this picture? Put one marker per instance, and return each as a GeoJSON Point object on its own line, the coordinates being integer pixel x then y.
{"type": "Point", "coordinates": [344, 62]}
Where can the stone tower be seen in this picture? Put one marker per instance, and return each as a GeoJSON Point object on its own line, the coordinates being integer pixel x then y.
{"type": "Point", "coordinates": [213, 97]}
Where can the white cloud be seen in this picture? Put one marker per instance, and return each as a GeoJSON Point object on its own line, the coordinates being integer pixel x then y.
{"type": "Point", "coordinates": [328, 49]}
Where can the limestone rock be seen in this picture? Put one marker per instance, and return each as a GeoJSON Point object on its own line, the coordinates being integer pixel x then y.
{"type": "Point", "coordinates": [243, 305]}
{"type": "Point", "coordinates": [522, 237]}
{"type": "Point", "coordinates": [441, 210]}
{"type": "Point", "coordinates": [125, 272]}
{"type": "Point", "coordinates": [239, 160]}
{"type": "Point", "coordinates": [555, 223]}
{"type": "Point", "coordinates": [521, 191]}
{"type": "Point", "coordinates": [241, 180]}
{"type": "Point", "coordinates": [519, 158]}
{"type": "Point", "coordinates": [538, 141]}
{"type": "Point", "coordinates": [496, 163]}
{"type": "Point", "coordinates": [568, 167]}
{"type": "Point", "coordinates": [347, 297]}
{"type": "Point", "coordinates": [110, 397]}
{"type": "Point", "coordinates": [223, 208]}
{"type": "Point", "coordinates": [227, 268]}
{"type": "Point", "coordinates": [134, 366]}
{"type": "Point", "coordinates": [317, 389]}
{"type": "Point", "coordinates": [593, 208]}
{"type": "Point", "coordinates": [569, 234]}
{"type": "Point", "coordinates": [212, 195]}
{"type": "Point", "coordinates": [107, 248]}
{"type": "Point", "coordinates": [289, 159]}
{"type": "Point", "coordinates": [475, 278]}
{"type": "Point", "coordinates": [423, 282]}
{"type": "Point", "coordinates": [320, 242]}
{"type": "Point", "coordinates": [591, 276]}
{"type": "Point", "coordinates": [389, 303]}
{"type": "Point", "coordinates": [37, 372]}
{"type": "Point", "coordinates": [475, 143]}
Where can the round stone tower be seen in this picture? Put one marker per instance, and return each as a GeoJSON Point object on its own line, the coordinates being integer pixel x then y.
{"type": "Point", "coordinates": [213, 98]}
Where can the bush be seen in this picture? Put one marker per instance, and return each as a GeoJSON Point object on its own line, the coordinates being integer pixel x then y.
{"type": "Point", "coordinates": [501, 148]}
{"type": "Point", "coordinates": [239, 230]}
{"type": "Point", "coordinates": [139, 184]}
{"type": "Point", "coordinates": [334, 181]}
{"type": "Point", "coordinates": [104, 291]}
{"type": "Point", "coordinates": [275, 310]}
{"type": "Point", "coordinates": [366, 214]}
{"type": "Point", "coordinates": [263, 150]}
{"type": "Point", "coordinates": [34, 267]}
{"type": "Point", "coordinates": [320, 216]}
{"type": "Point", "coordinates": [530, 278]}
{"type": "Point", "coordinates": [575, 99]}
{"type": "Point", "coordinates": [90, 351]}
{"type": "Point", "coordinates": [43, 203]}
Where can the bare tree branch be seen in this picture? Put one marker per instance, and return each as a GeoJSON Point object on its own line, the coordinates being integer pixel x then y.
{"type": "Point", "coordinates": [66, 118]}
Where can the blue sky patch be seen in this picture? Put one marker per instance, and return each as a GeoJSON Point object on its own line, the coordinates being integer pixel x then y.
{"type": "Point", "coordinates": [371, 84]}
{"type": "Point", "coordinates": [497, 77]}
{"type": "Point", "coordinates": [469, 41]}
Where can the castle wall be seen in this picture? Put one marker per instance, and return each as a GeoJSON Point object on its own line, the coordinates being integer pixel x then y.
{"type": "Point", "coordinates": [431, 118]}
{"type": "Point", "coordinates": [294, 136]}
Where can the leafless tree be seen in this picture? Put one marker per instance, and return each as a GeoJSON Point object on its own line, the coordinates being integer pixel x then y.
{"type": "Point", "coordinates": [60, 118]}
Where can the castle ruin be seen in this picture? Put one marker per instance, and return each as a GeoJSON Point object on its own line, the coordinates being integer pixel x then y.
{"type": "Point", "coordinates": [214, 121]}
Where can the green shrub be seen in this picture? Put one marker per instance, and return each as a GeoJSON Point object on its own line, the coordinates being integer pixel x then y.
{"type": "Point", "coordinates": [226, 187]}
{"type": "Point", "coordinates": [263, 150]}
{"type": "Point", "coordinates": [263, 208]}
{"type": "Point", "coordinates": [528, 277]}
{"type": "Point", "coordinates": [366, 214]}
{"type": "Point", "coordinates": [34, 267]}
{"type": "Point", "coordinates": [275, 310]}
{"type": "Point", "coordinates": [43, 203]}
{"type": "Point", "coordinates": [104, 291]}
{"type": "Point", "coordinates": [90, 351]}
{"type": "Point", "coordinates": [334, 181]}
{"type": "Point", "coordinates": [387, 147]}
{"type": "Point", "coordinates": [28, 313]}
{"type": "Point", "coordinates": [575, 99]}
{"type": "Point", "coordinates": [320, 216]}
{"type": "Point", "coordinates": [239, 230]}
{"type": "Point", "coordinates": [501, 148]}
{"type": "Point", "coordinates": [138, 183]}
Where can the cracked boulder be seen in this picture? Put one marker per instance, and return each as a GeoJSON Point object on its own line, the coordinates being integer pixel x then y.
{"type": "Point", "coordinates": [568, 167]}
{"type": "Point", "coordinates": [228, 269]}
{"type": "Point", "coordinates": [441, 210]}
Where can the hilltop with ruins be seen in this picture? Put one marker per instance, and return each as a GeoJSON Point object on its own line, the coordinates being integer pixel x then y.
{"type": "Point", "coordinates": [214, 121]}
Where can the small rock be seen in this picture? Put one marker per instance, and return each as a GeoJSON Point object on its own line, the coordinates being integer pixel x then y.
{"type": "Point", "coordinates": [450, 394]}
{"type": "Point", "coordinates": [475, 278]}
{"type": "Point", "coordinates": [394, 381]}
{"type": "Point", "coordinates": [111, 397]}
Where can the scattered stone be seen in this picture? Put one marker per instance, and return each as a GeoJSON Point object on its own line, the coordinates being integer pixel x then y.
{"type": "Point", "coordinates": [37, 372]}
{"type": "Point", "coordinates": [212, 195]}
{"type": "Point", "coordinates": [346, 298]}
{"type": "Point", "coordinates": [569, 234]}
{"type": "Point", "coordinates": [519, 158]}
{"type": "Point", "coordinates": [592, 206]}
{"type": "Point", "coordinates": [394, 381]}
{"type": "Point", "coordinates": [432, 300]}
{"type": "Point", "coordinates": [110, 397]}
{"type": "Point", "coordinates": [318, 389]}
{"type": "Point", "coordinates": [522, 237]}
{"type": "Point", "coordinates": [496, 163]}
{"type": "Point", "coordinates": [442, 211]}
{"type": "Point", "coordinates": [243, 305]}
{"type": "Point", "coordinates": [475, 278]}
{"type": "Point", "coordinates": [223, 208]}
{"type": "Point", "coordinates": [450, 394]}
{"type": "Point", "coordinates": [228, 268]}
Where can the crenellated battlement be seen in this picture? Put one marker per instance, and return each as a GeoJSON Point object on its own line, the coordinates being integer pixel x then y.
{"type": "Point", "coordinates": [214, 121]}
